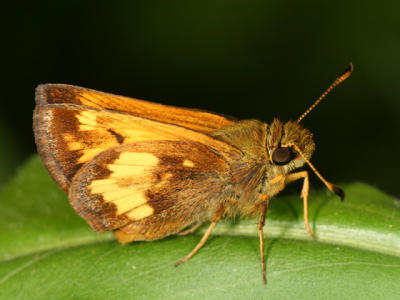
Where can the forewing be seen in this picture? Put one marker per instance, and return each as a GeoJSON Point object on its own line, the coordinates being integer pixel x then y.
{"type": "Point", "coordinates": [171, 183]}
{"type": "Point", "coordinates": [190, 118]}
{"type": "Point", "coordinates": [70, 135]}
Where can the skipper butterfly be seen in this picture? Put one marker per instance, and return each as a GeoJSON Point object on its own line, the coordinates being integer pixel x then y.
{"type": "Point", "coordinates": [146, 170]}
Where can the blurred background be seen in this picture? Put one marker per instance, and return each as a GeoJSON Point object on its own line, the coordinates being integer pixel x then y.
{"type": "Point", "coordinates": [248, 59]}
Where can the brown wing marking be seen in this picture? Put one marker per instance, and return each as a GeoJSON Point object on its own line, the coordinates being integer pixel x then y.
{"type": "Point", "coordinates": [151, 188]}
{"type": "Point", "coordinates": [190, 118]}
{"type": "Point", "coordinates": [68, 136]}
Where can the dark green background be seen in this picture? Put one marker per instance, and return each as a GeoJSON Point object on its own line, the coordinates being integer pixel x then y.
{"type": "Point", "coordinates": [249, 59]}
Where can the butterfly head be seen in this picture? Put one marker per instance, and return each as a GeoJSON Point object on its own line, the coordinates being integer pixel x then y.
{"type": "Point", "coordinates": [288, 145]}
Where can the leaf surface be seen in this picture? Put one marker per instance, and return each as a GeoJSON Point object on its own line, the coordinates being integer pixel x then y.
{"type": "Point", "coordinates": [47, 251]}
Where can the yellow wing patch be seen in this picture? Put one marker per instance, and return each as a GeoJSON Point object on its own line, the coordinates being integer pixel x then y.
{"type": "Point", "coordinates": [188, 163]}
{"type": "Point", "coordinates": [133, 158]}
{"type": "Point", "coordinates": [141, 212]}
{"type": "Point", "coordinates": [125, 187]}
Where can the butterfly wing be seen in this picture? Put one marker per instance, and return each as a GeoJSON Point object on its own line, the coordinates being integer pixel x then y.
{"type": "Point", "coordinates": [198, 120]}
{"type": "Point", "coordinates": [151, 188]}
{"type": "Point", "coordinates": [72, 125]}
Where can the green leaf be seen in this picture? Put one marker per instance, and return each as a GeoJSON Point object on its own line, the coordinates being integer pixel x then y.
{"type": "Point", "coordinates": [47, 251]}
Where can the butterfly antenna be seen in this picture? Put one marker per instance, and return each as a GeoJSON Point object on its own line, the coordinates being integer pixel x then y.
{"type": "Point", "coordinates": [337, 81]}
{"type": "Point", "coordinates": [332, 187]}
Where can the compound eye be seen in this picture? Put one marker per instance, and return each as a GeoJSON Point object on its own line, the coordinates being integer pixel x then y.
{"type": "Point", "coordinates": [282, 156]}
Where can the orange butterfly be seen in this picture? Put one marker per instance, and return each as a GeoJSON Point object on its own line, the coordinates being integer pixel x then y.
{"type": "Point", "coordinates": [146, 170]}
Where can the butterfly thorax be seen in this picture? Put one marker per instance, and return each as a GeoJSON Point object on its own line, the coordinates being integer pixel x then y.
{"type": "Point", "coordinates": [268, 156]}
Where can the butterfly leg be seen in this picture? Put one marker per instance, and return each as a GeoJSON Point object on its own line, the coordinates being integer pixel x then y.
{"type": "Point", "coordinates": [304, 194]}
{"type": "Point", "coordinates": [190, 229]}
{"type": "Point", "coordinates": [261, 224]}
{"type": "Point", "coordinates": [220, 213]}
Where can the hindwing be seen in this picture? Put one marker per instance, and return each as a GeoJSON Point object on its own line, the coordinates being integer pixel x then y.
{"type": "Point", "coordinates": [176, 181]}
